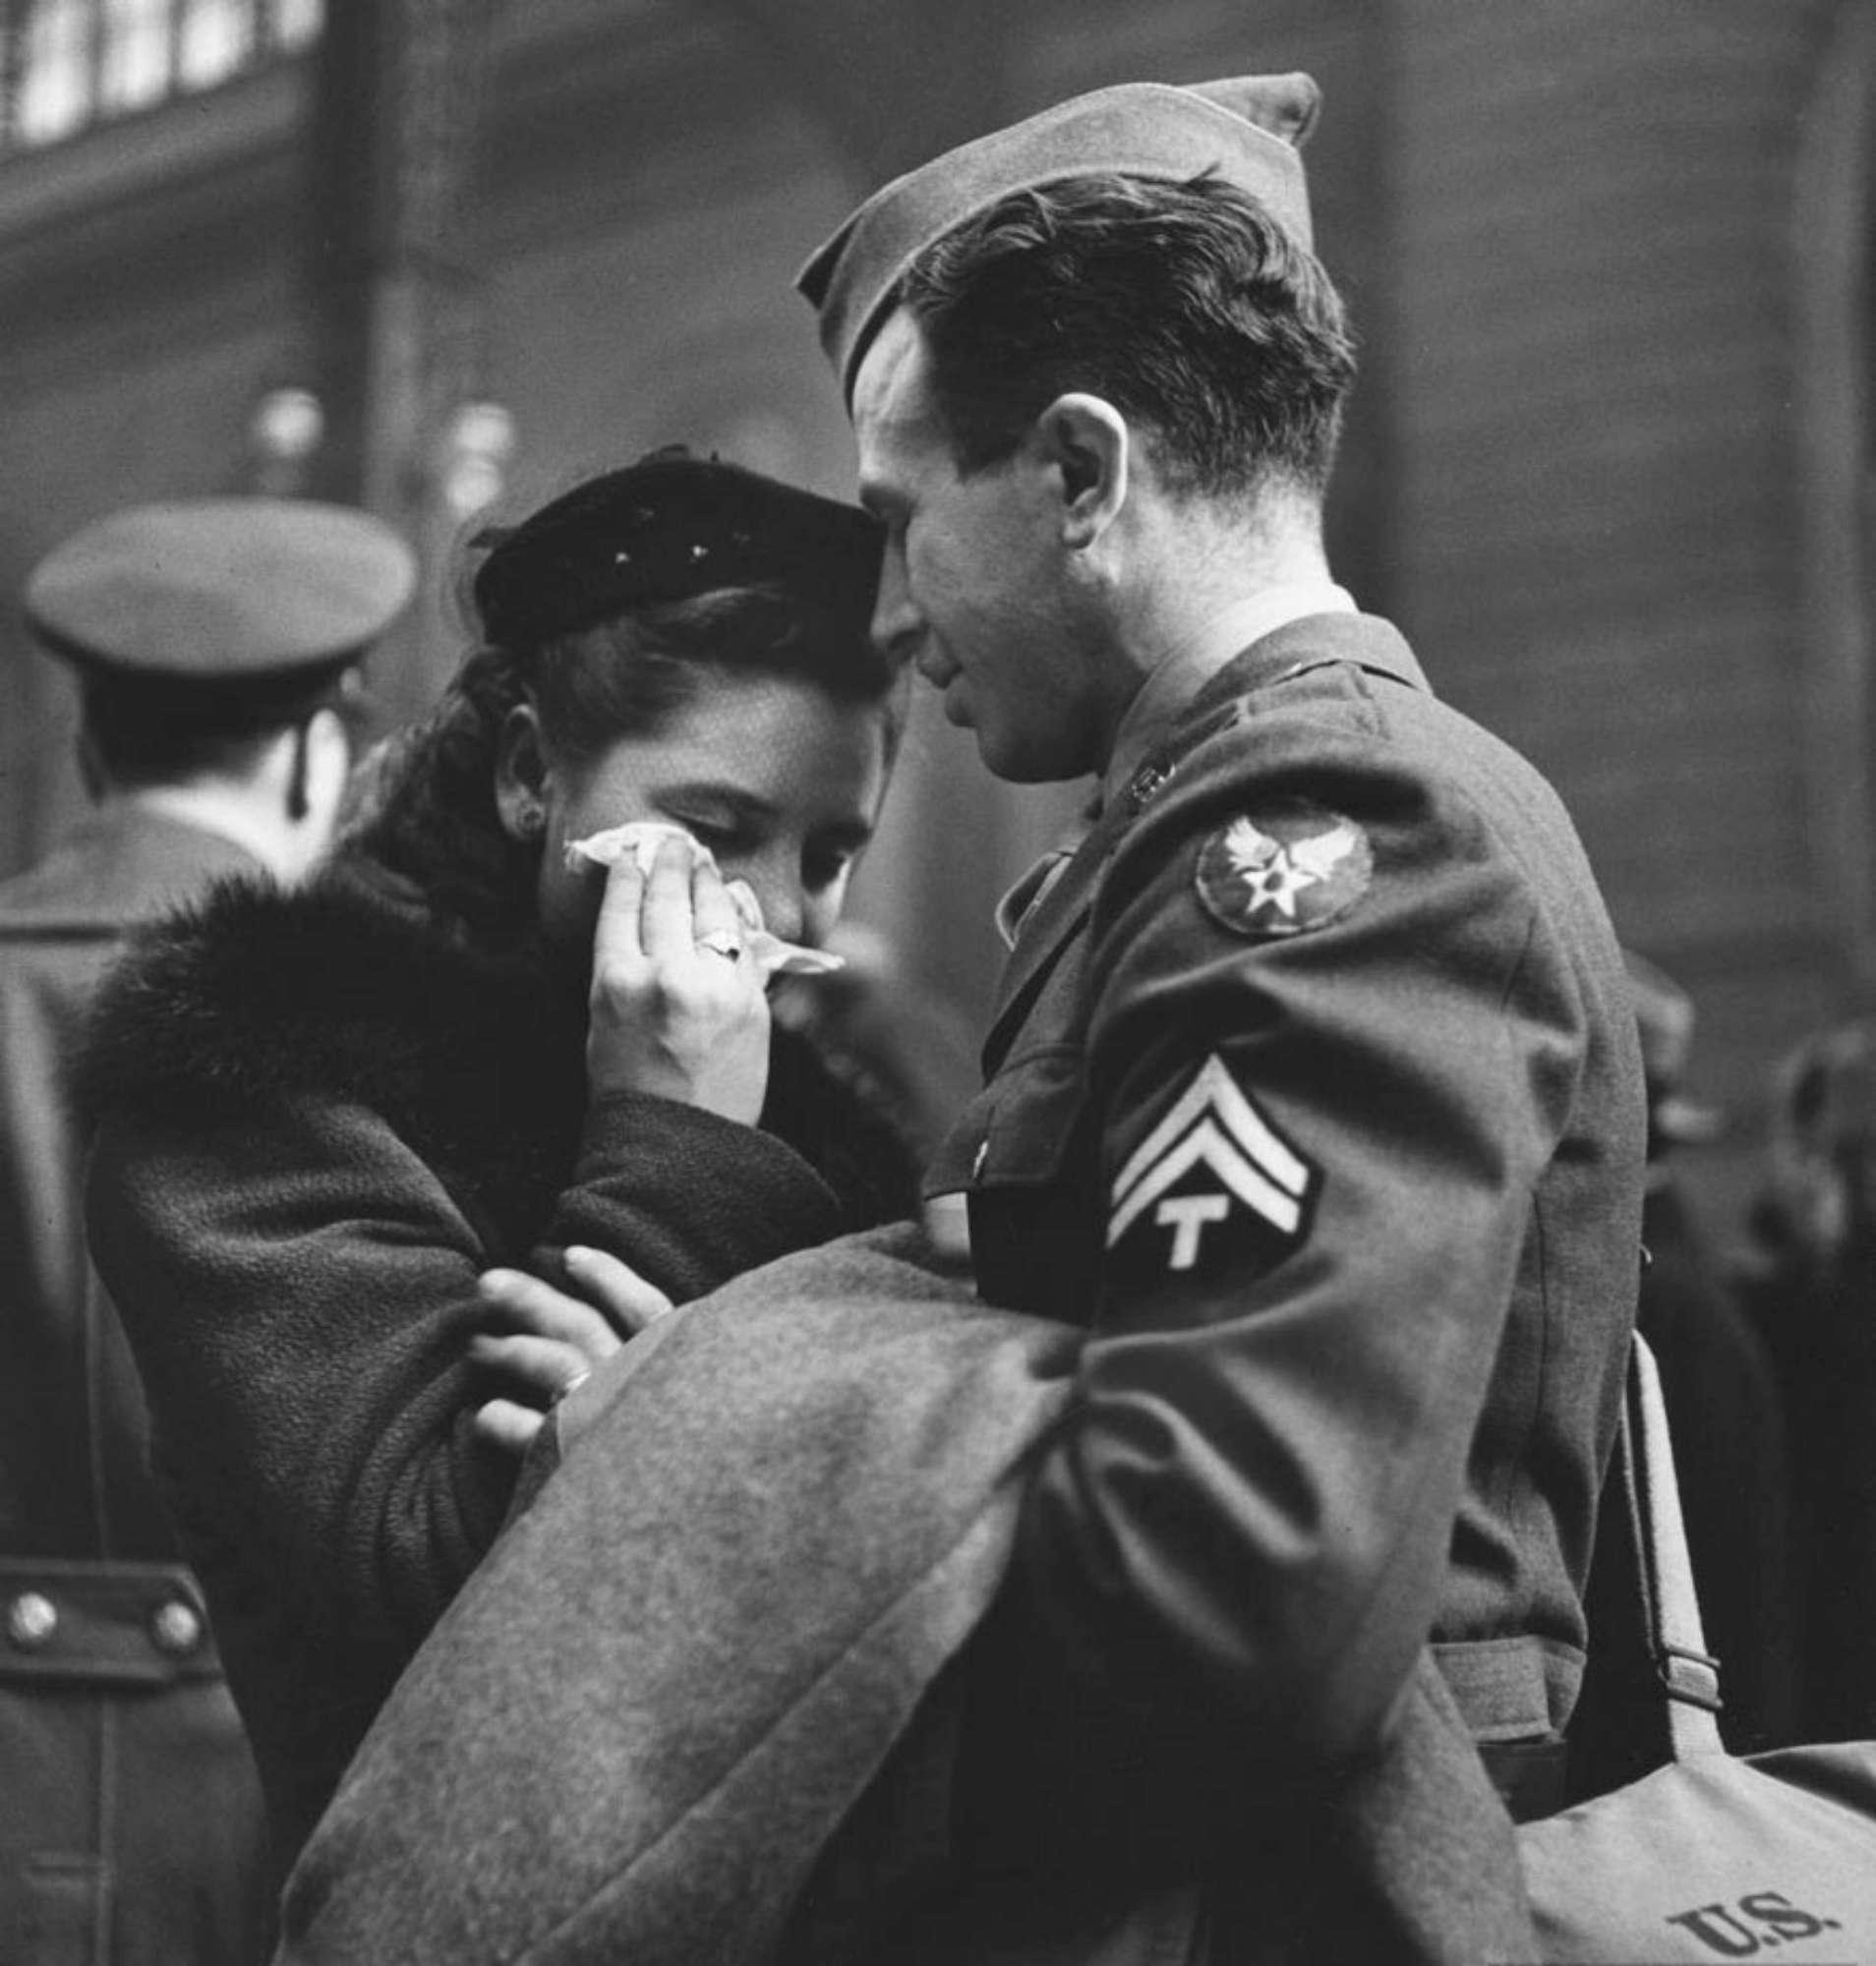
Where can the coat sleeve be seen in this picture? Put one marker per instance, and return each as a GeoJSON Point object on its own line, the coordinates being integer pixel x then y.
{"type": "Point", "coordinates": [1318, 1146]}
{"type": "Point", "coordinates": [300, 1289]}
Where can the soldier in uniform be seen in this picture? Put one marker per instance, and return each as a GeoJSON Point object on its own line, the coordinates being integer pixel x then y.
{"type": "Point", "coordinates": [212, 643]}
{"type": "Point", "coordinates": [1313, 1088]}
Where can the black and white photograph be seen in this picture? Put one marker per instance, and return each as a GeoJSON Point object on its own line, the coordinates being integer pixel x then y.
{"type": "Point", "coordinates": [937, 982]}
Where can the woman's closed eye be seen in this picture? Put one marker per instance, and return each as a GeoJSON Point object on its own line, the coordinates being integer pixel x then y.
{"type": "Point", "coordinates": [725, 837]}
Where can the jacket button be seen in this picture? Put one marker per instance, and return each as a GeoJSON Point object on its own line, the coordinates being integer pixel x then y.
{"type": "Point", "coordinates": [176, 1628]}
{"type": "Point", "coordinates": [32, 1619]}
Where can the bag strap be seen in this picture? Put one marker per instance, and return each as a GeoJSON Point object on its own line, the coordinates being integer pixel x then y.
{"type": "Point", "coordinates": [1688, 1673]}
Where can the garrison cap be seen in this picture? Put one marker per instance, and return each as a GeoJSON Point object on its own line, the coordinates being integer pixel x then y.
{"type": "Point", "coordinates": [1246, 128]}
{"type": "Point", "coordinates": [669, 528]}
{"type": "Point", "coordinates": [234, 601]}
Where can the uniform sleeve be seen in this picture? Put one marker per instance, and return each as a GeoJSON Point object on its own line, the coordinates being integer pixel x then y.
{"type": "Point", "coordinates": [1320, 1128]}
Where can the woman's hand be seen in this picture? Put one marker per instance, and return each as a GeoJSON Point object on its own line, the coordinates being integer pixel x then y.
{"type": "Point", "coordinates": [552, 1340]}
{"type": "Point", "coordinates": [677, 1006]}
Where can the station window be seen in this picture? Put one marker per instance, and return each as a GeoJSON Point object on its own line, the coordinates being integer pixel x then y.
{"type": "Point", "coordinates": [66, 65]}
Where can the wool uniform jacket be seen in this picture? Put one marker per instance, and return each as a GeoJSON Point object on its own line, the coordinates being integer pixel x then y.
{"type": "Point", "coordinates": [131, 1824]}
{"type": "Point", "coordinates": [1314, 1096]}
{"type": "Point", "coordinates": [320, 1116]}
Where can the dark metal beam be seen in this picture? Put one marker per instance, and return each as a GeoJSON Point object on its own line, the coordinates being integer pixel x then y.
{"type": "Point", "coordinates": [395, 294]}
{"type": "Point", "coordinates": [894, 81]}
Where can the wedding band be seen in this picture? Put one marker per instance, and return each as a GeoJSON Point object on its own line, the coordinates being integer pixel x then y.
{"type": "Point", "coordinates": [572, 1386]}
{"type": "Point", "coordinates": [722, 942]}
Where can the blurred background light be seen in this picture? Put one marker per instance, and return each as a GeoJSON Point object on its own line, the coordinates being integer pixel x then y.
{"type": "Point", "coordinates": [478, 445]}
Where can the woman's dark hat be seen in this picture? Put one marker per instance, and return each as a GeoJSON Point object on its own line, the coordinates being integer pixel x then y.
{"type": "Point", "coordinates": [1246, 128]}
{"type": "Point", "coordinates": [667, 528]}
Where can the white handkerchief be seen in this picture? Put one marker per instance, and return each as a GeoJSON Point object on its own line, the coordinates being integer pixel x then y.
{"type": "Point", "coordinates": [642, 837]}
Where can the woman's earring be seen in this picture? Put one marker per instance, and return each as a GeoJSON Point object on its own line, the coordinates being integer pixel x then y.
{"type": "Point", "coordinates": [533, 821]}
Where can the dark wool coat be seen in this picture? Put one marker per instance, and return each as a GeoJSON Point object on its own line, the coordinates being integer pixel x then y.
{"type": "Point", "coordinates": [318, 1118]}
{"type": "Point", "coordinates": [131, 1825]}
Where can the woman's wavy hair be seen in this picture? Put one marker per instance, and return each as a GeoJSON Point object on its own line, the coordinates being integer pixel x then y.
{"type": "Point", "coordinates": [424, 806]}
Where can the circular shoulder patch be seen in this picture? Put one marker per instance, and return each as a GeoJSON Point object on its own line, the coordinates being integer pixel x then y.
{"type": "Point", "coordinates": [1283, 867]}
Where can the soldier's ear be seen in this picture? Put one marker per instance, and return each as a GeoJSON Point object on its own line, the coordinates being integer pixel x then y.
{"type": "Point", "coordinates": [1085, 443]}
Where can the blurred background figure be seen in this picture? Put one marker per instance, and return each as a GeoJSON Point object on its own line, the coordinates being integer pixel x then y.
{"type": "Point", "coordinates": [1812, 1290]}
{"type": "Point", "coordinates": [213, 644]}
{"type": "Point", "coordinates": [1731, 1450]}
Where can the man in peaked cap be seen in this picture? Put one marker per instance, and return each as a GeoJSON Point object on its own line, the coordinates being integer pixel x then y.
{"type": "Point", "coordinates": [213, 642]}
{"type": "Point", "coordinates": [1313, 1090]}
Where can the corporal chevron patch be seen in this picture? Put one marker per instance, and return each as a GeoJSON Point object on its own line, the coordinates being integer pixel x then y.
{"type": "Point", "coordinates": [1213, 1184]}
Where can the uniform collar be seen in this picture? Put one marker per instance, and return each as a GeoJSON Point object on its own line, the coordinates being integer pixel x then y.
{"type": "Point", "coordinates": [121, 863]}
{"type": "Point", "coordinates": [1313, 637]}
{"type": "Point", "coordinates": [1178, 678]}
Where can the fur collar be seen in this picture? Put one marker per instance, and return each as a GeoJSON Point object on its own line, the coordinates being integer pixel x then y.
{"type": "Point", "coordinates": [474, 1056]}
{"type": "Point", "coordinates": [346, 987]}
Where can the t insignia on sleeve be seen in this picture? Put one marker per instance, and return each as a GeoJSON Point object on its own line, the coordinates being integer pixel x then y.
{"type": "Point", "coordinates": [1287, 867]}
{"type": "Point", "coordinates": [1214, 1183]}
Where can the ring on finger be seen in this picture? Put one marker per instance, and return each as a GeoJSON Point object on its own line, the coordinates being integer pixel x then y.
{"type": "Point", "coordinates": [722, 942]}
{"type": "Point", "coordinates": [573, 1385]}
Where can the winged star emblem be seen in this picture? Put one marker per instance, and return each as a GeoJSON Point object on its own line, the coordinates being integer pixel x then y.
{"type": "Point", "coordinates": [1277, 871]}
